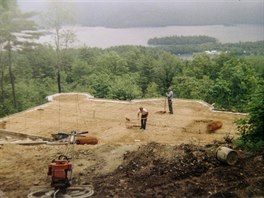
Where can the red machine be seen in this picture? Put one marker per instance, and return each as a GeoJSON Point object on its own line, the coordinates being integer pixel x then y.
{"type": "Point", "coordinates": [60, 171]}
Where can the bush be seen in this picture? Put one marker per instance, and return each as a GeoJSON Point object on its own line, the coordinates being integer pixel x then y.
{"type": "Point", "coordinates": [252, 128]}
{"type": "Point", "coordinates": [249, 145]}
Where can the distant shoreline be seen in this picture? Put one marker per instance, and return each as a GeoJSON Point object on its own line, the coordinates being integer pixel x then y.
{"type": "Point", "coordinates": [104, 37]}
{"type": "Point", "coordinates": [163, 26]}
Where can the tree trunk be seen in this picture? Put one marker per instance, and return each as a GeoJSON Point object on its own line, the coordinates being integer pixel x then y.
{"type": "Point", "coordinates": [2, 99]}
{"type": "Point", "coordinates": [12, 80]}
{"type": "Point", "coordinates": [59, 81]}
{"type": "Point", "coordinates": [57, 42]}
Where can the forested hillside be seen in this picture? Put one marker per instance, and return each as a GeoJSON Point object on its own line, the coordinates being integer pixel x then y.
{"type": "Point", "coordinates": [129, 72]}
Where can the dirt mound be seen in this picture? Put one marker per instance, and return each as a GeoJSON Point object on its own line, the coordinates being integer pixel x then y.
{"type": "Point", "coordinates": [213, 126]}
{"type": "Point", "coordinates": [158, 170]}
{"type": "Point", "coordinates": [151, 170]}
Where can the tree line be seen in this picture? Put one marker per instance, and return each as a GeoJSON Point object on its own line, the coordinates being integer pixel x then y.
{"type": "Point", "coordinates": [126, 73]}
{"type": "Point", "coordinates": [194, 44]}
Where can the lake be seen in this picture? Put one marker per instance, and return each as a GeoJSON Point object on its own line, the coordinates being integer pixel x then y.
{"type": "Point", "coordinates": [107, 37]}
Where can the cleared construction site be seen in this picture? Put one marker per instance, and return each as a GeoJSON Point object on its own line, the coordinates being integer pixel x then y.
{"type": "Point", "coordinates": [171, 158]}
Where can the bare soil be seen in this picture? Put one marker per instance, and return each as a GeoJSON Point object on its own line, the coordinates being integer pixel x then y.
{"type": "Point", "coordinates": [173, 157]}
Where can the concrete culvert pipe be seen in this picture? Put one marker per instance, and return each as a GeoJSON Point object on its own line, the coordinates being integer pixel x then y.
{"type": "Point", "coordinates": [226, 155]}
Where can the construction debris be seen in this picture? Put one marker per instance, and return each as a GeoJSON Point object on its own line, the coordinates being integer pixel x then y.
{"type": "Point", "coordinates": [213, 126]}
{"type": "Point", "coordinates": [86, 140]}
{"type": "Point", "coordinates": [21, 136]}
{"type": "Point", "coordinates": [24, 142]}
{"type": "Point", "coordinates": [226, 155]}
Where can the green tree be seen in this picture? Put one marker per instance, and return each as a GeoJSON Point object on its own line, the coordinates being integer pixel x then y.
{"type": "Point", "coordinates": [55, 18]}
{"type": "Point", "coordinates": [88, 54]}
{"type": "Point", "coordinates": [152, 90]}
{"type": "Point", "coordinates": [220, 94]}
{"type": "Point", "coordinates": [132, 55]}
{"type": "Point", "coordinates": [38, 62]}
{"type": "Point", "coordinates": [12, 21]}
{"type": "Point", "coordinates": [166, 68]}
{"type": "Point", "coordinates": [79, 72]}
{"type": "Point", "coordinates": [146, 72]}
{"type": "Point", "coordinates": [99, 84]}
{"type": "Point", "coordinates": [201, 66]}
{"type": "Point", "coordinates": [251, 128]}
{"type": "Point", "coordinates": [242, 82]}
{"type": "Point", "coordinates": [257, 62]}
{"type": "Point", "coordinates": [112, 63]}
{"type": "Point", "coordinates": [124, 88]}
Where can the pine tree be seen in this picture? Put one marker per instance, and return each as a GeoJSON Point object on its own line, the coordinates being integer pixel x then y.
{"type": "Point", "coordinates": [13, 22]}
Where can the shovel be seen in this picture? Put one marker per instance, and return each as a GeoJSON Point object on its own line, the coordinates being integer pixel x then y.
{"type": "Point", "coordinates": [165, 104]}
{"type": "Point", "coordinates": [162, 112]}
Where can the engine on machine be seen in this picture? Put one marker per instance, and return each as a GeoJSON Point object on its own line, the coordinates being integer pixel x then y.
{"type": "Point", "coordinates": [60, 171]}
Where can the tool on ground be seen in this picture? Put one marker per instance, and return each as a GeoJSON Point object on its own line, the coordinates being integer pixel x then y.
{"type": "Point", "coordinates": [61, 135]}
{"type": "Point", "coordinates": [61, 172]}
{"type": "Point", "coordinates": [165, 104]}
{"type": "Point", "coordinates": [131, 124]}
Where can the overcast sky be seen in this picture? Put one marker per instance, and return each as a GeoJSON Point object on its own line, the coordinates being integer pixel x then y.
{"type": "Point", "coordinates": [159, 12]}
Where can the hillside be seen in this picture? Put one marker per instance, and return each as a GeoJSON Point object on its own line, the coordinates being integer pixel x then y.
{"type": "Point", "coordinates": [174, 156]}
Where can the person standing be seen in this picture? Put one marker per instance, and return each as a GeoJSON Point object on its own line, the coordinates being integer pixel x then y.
{"type": "Point", "coordinates": [169, 95]}
{"type": "Point", "coordinates": [144, 117]}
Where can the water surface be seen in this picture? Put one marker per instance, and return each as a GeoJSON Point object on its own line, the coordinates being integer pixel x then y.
{"type": "Point", "coordinates": [107, 37]}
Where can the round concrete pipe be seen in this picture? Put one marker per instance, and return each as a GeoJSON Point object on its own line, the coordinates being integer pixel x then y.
{"type": "Point", "coordinates": [227, 155]}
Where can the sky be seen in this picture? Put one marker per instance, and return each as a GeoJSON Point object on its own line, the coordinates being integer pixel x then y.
{"type": "Point", "coordinates": [158, 12]}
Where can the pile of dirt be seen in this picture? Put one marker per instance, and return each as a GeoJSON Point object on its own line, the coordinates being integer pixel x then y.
{"type": "Point", "coordinates": [158, 170]}
{"type": "Point", "coordinates": [150, 170]}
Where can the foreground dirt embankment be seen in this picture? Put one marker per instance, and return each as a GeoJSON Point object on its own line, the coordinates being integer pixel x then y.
{"type": "Point", "coordinates": [173, 157]}
{"type": "Point", "coordinates": [157, 170]}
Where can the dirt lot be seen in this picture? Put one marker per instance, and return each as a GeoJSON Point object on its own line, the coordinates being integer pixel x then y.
{"type": "Point", "coordinates": [173, 157]}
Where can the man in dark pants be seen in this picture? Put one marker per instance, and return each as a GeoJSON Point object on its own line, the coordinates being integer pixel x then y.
{"type": "Point", "coordinates": [169, 95]}
{"type": "Point", "coordinates": [144, 117]}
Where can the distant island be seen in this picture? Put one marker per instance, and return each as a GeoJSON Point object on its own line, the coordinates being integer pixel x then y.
{"type": "Point", "coordinates": [195, 44]}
